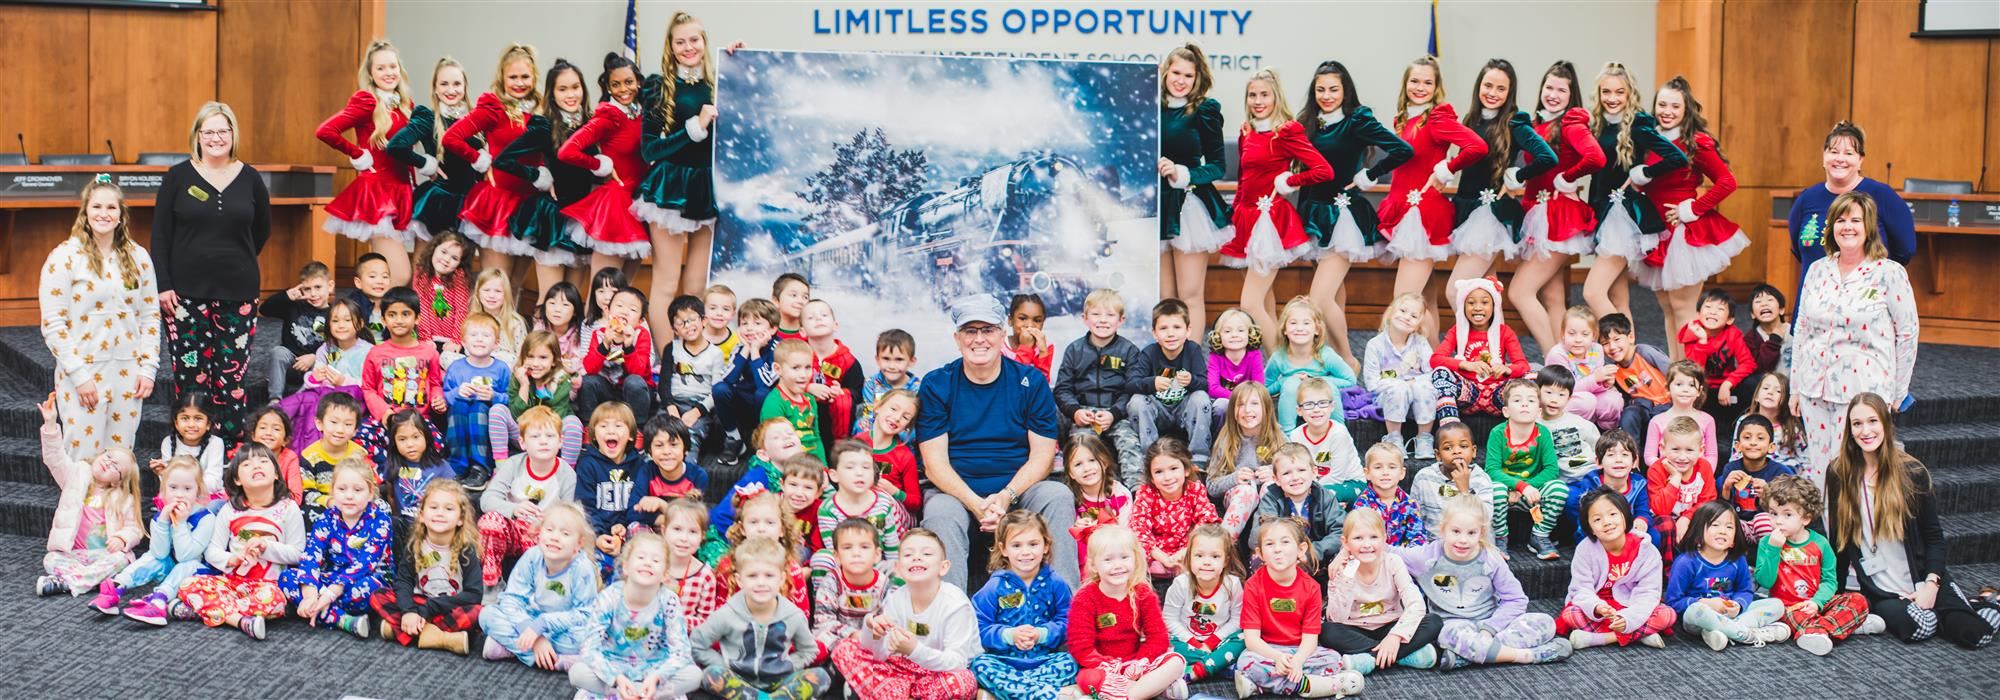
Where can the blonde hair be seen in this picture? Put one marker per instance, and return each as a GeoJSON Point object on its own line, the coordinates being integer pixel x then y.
{"type": "Point", "coordinates": [464, 537]}
{"type": "Point", "coordinates": [1360, 517]}
{"type": "Point", "coordinates": [1871, 244]}
{"type": "Point", "coordinates": [1304, 305]}
{"type": "Point", "coordinates": [1315, 384]}
{"type": "Point", "coordinates": [124, 496]}
{"type": "Point", "coordinates": [437, 108]}
{"type": "Point", "coordinates": [1403, 103]}
{"type": "Point", "coordinates": [1229, 440]}
{"type": "Point", "coordinates": [1383, 450]}
{"type": "Point", "coordinates": [610, 410]}
{"type": "Point", "coordinates": [356, 466]}
{"type": "Point", "coordinates": [1234, 314]}
{"type": "Point", "coordinates": [516, 52]}
{"type": "Point", "coordinates": [1405, 299]}
{"type": "Point", "coordinates": [683, 507]}
{"type": "Point", "coordinates": [1016, 520]}
{"type": "Point", "coordinates": [1203, 79]}
{"type": "Point", "coordinates": [1584, 314]}
{"type": "Point", "coordinates": [510, 323]}
{"type": "Point", "coordinates": [1623, 156]}
{"type": "Point", "coordinates": [1292, 452]}
{"type": "Point", "coordinates": [789, 347]}
{"type": "Point", "coordinates": [365, 76]}
{"type": "Point", "coordinates": [1281, 111]}
{"type": "Point", "coordinates": [1105, 298]}
{"type": "Point", "coordinates": [642, 538]}
{"type": "Point", "coordinates": [762, 551]}
{"type": "Point", "coordinates": [669, 73]}
{"type": "Point", "coordinates": [1111, 537]}
{"type": "Point", "coordinates": [184, 463]}
{"type": "Point", "coordinates": [786, 519]}
{"type": "Point", "coordinates": [1683, 425]}
{"type": "Point", "coordinates": [121, 236]}
{"type": "Point", "coordinates": [213, 109]}
{"type": "Point", "coordinates": [1466, 505]}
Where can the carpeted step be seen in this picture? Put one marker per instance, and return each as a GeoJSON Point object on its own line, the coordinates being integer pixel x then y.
{"type": "Point", "coordinates": [1945, 447]}
{"type": "Point", "coordinates": [27, 509]}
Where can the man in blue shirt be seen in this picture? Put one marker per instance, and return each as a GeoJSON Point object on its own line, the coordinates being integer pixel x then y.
{"type": "Point", "coordinates": [986, 427]}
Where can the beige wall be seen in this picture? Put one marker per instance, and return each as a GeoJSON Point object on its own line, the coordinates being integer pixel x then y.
{"type": "Point", "coordinates": [1375, 39]}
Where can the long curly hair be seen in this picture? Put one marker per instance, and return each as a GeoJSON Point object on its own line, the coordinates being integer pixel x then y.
{"type": "Point", "coordinates": [121, 237]}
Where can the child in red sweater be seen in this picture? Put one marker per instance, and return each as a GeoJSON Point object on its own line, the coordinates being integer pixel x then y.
{"type": "Point", "coordinates": [1165, 509]}
{"type": "Point", "coordinates": [1713, 341]}
{"type": "Point", "coordinates": [1283, 609]}
{"type": "Point", "coordinates": [1482, 353]}
{"type": "Point", "coordinates": [618, 366]}
{"type": "Point", "coordinates": [1679, 481]}
{"type": "Point", "coordinates": [444, 290]}
{"type": "Point", "coordinates": [1116, 631]}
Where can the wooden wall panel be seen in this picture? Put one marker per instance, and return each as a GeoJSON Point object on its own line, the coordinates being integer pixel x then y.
{"type": "Point", "coordinates": [1918, 99]}
{"type": "Point", "coordinates": [149, 73]}
{"type": "Point", "coordinates": [1990, 170]}
{"type": "Point", "coordinates": [1689, 43]}
{"type": "Point", "coordinates": [286, 66]}
{"type": "Point", "coordinates": [1782, 85]}
{"type": "Point", "coordinates": [45, 45]}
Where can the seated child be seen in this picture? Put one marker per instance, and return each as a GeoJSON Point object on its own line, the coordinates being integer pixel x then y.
{"type": "Point", "coordinates": [1295, 494]}
{"type": "Point", "coordinates": [473, 387]}
{"type": "Point", "coordinates": [439, 270]}
{"type": "Point", "coordinates": [271, 428]}
{"type": "Point", "coordinates": [1166, 510]}
{"type": "Point", "coordinates": [1372, 605]}
{"type": "Point", "coordinates": [889, 434]}
{"type": "Point", "coordinates": [1026, 342]}
{"type": "Point", "coordinates": [1772, 402]}
{"type": "Point", "coordinates": [690, 366]}
{"type": "Point", "coordinates": [336, 418]}
{"type": "Point", "coordinates": [1092, 475]}
{"type": "Point", "coordinates": [1469, 586]}
{"type": "Point", "coordinates": [1521, 460]}
{"type": "Point", "coordinates": [180, 532]}
{"type": "Point", "coordinates": [1476, 359]}
{"type": "Point", "coordinates": [302, 310]}
{"type": "Point", "coordinates": [1457, 472]}
{"type": "Point", "coordinates": [371, 284]}
{"type": "Point", "coordinates": [1306, 355]}
{"type": "Point", "coordinates": [1173, 398]}
{"type": "Point", "coordinates": [675, 475]}
{"type": "Point", "coordinates": [1403, 521]}
{"type": "Point", "coordinates": [412, 464]}
{"type": "Point", "coordinates": [843, 600]}
{"type": "Point", "coordinates": [791, 400]}
{"type": "Point", "coordinates": [1617, 460]}
{"type": "Point", "coordinates": [1614, 581]}
{"type": "Point", "coordinates": [347, 552]}
{"type": "Point", "coordinates": [619, 363]}
{"type": "Point", "coordinates": [1235, 358]}
{"type": "Point", "coordinates": [921, 643]}
{"type": "Point", "coordinates": [340, 360]}
{"type": "Point", "coordinates": [1796, 564]}
{"type": "Point", "coordinates": [751, 373]}
{"type": "Point", "coordinates": [1336, 466]}
{"type": "Point", "coordinates": [855, 496]}
{"type": "Point", "coordinates": [1282, 619]}
{"type": "Point", "coordinates": [1593, 398]}
{"type": "Point", "coordinates": [522, 487]}
{"type": "Point", "coordinates": [609, 476]}
{"type": "Point", "coordinates": [895, 355]}
{"type": "Point", "coordinates": [1117, 634]}
{"type": "Point", "coordinates": [98, 516]}
{"type": "Point", "coordinates": [1396, 368]}
{"type": "Point", "coordinates": [805, 481]}
{"type": "Point", "coordinates": [1709, 585]}
{"type": "Point", "coordinates": [403, 371]}
{"type": "Point", "coordinates": [790, 293]}
{"type": "Point", "coordinates": [683, 523]}
{"type": "Point", "coordinates": [1713, 342]}
{"type": "Point", "coordinates": [765, 517]}
{"type": "Point", "coordinates": [1241, 459]}
{"type": "Point", "coordinates": [1742, 481]}
{"type": "Point", "coordinates": [1639, 374]}
{"type": "Point", "coordinates": [539, 618]}
{"type": "Point", "coordinates": [1023, 614]}
{"type": "Point", "coordinates": [774, 441]}
{"type": "Point", "coordinates": [1680, 480]}
{"type": "Point", "coordinates": [758, 644]}
{"type": "Point", "coordinates": [837, 375]}
{"type": "Point", "coordinates": [1099, 375]}
{"type": "Point", "coordinates": [192, 437]}
{"type": "Point", "coordinates": [540, 380]}
{"type": "Point", "coordinates": [1768, 329]}
{"type": "Point", "coordinates": [264, 536]}
{"type": "Point", "coordinates": [1572, 436]}
{"type": "Point", "coordinates": [635, 642]}
{"type": "Point", "coordinates": [718, 310]}
{"type": "Point", "coordinates": [435, 601]}
{"type": "Point", "coordinates": [1204, 604]}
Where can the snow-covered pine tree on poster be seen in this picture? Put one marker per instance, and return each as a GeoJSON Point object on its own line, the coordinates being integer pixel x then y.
{"type": "Point", "coordinates": [897, 182]}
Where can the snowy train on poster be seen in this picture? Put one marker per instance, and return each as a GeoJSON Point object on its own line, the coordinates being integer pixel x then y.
{"type": "Point", "coordinates": [899, 182]}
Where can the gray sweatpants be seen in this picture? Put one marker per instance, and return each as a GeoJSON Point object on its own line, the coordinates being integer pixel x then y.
{"type": "Point", "coordinates": [953, 524]}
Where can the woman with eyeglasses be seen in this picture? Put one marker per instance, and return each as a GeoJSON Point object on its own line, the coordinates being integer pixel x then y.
{"type": "Point", "coordinates": [211, 218]}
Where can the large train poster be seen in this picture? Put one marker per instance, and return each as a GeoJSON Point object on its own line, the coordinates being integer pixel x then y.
{"type": "Point", "coordinates": [899, 182]}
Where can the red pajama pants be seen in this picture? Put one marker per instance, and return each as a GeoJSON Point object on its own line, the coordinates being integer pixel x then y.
{"type": "Point", "coordinates": [897, 677]}
{"type": "Point", "coordinates": [501, 537]}
{"type": "Point", "coordinates": [1837, 619]}
{"type": "Point", "coordinates": [452, 620]}
{"type": "Point", "coordinates": [1112, 680]}
{"type": "Point", "coordinates": [1573, 619]}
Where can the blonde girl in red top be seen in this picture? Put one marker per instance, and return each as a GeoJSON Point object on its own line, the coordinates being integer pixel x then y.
{"type": "Point", "coordinates": [376, 206]}
{"type": "Point", "coordinates": [500, 116]}
{"type": "Point", "coordinates": [603, 222]}
{"type": "Point", "coordinates": [1416, 217]}
{"type": "Point", "coordinates": [1268, 232]}
{"type": "Point", "coordinates": [1558, 224]}
{"type": "Point", "coordinates": [1700, 241]}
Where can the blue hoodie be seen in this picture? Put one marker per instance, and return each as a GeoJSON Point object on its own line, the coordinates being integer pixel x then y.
{"type": "Point", "coordinates": [1693, 578]}
{"type": "Point", "coordinates": [1006, 602]}
{"type": "Point", "coordinates": [1642, 507]}
{"type": "Point", "coordinates": [746, 382]}
{"type": "Point", "coordinates": [609, 490]}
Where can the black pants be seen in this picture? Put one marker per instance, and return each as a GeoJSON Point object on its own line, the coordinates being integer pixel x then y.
{"type": "Point", "coordinates": [632, 390]}
{"type": "Point", "coordinates": [1348, 639]}
{"type": "Point", "coordinates": [1951, 619]}
{"type": "Point", "coordinates": [697, 430]}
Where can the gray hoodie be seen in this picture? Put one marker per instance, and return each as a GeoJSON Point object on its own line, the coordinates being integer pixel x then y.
{"type": "Point", "coordinates": [763, 653]}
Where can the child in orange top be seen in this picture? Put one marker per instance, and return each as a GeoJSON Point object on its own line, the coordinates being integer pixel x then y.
{"type": "Point", "coordinates": [1680, 480]}
{"type": "Point", "coordinates": [1165, 510]}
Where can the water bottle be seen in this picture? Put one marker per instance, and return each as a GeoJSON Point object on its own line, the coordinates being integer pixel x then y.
{"type": "Point", "coordinates": [1951, 214]}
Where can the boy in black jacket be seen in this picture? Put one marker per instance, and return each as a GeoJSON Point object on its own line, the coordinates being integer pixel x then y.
{"type": "Point", "coordinates": [1175, 397]}
{"type": "Point", "coordinates": [303, 311]}
{"type": "Point", "coordinates": [1100, 374]}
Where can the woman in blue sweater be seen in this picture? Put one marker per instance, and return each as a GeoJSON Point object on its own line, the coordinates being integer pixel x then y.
{"type": "Point", "coordinates": [1808, 222]}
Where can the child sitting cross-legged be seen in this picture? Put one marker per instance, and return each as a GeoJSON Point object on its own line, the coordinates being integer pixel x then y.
{"type": "Point", "coordinates": [1116, 631]}
{"type": "Point", "coordinates": [1023, 613]}
{"type": "Point", "coordinates": [1282, 616]}
{"type": "Point", "coordinates": [1469, 586]}
{"type": "Point", "coordinates": [1474, 361]}
{"type": "Point", "coordinates": [843, 600]}
{"type": "Point", "coordinates": [435, 600]}
{"type": "Point", "coordinates": [1617, 469]}
{"type": "Point", "coordinates": [1205, 603]}
{"type": "Point", "coordinates": [855, 496]}
{"type": "Point", "coordinates": [1710, 584]}
{"type": "Point", "coordinates": [97, 523]}
{"type": "Point", "coordinates": [264, 536]}
{"type": "Point", "coordinates": [539, 617]}
{"type": "Point", "coordinates": [1615, 581]}
{"type": "Point", "coordinates": [1167, 508]}
{"type": "Point", "coordinates": [682, 523]}
{"type": "Point", "coordinates": [921, 643]}
{"type": "Point", "coordinates": [1796, 564]}
{"type": "Point", "coordinates": [180, 533]}
{"type": "Point", "coordinates": [347, 551]}
{"type": "Point", "coordinates": [1372, 605]}
{"type": "Point", "coordinates": [635, 642]}
{"type": "Point", "coordinates": [1296, 494]}
{"type": "Point", "coordinates": [758, 644]}
{"type": "Point", "coordinates": [522, 487]}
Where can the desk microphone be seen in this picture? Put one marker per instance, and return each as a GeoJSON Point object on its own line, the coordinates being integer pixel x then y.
{"type": "Point", "coordinates": [23, 141]}
{"type": "Point", "coordinates": [112, 149]}
{"type": "Point", "coordinates": [1889, 175]}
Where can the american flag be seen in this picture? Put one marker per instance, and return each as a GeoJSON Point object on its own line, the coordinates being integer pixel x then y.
{"type": "Point", "coordinates": [632, 30]}
{"type": "Point", "coordinates": [1431, 48]}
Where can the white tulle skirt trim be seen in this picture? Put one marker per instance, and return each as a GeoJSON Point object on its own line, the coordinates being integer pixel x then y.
{"type": "Point", "coordinates": [1266, 252]}
{"type": "Point", "coordinates": [634, 250]}
{"type": "Point", "coordinates": [364, 231]}
{"type": "Point", "coordinates": [1482, 234]}
{"type": "Point", "coordinates": [1199, 233]}
{"type": "Point", "coordinates": [669, 219]}
{"type": "Point", "coordinates": [1348, 241]}
{"type": "Point", "coordinates": [1535, 243]}
{"type": "Point", "coordinates": [504, 244]}
{"type": "Point", "coordinates": [556, 258]}
{"type": "Point", "coordinates": [1689, 265]}
{"type": "Point", "coordinates": [1618, 236]}
{"type": "Point", "coordinates": [1409, 240]}
{"type": "Point", "coordinates": [418, 231]}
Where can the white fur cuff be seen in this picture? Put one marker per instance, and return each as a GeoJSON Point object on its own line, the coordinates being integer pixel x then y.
{"type": "Point", "coordinates": [696, 132]}
{"type": "Point", "coordinates": [1443, 173]}
{"type": "Point", "coordinates": [543, 180]}
{"type": "Point", "coordinates": [1511, 177]}
{"type": "Point", "coordinates": [1565, 186]}
{"type": "Point", "coordinates": [1180, 177]}
{"type": "Point", "coordinates": [429, 168]}
{"type": "Point", "coordinates": [603, 166]}
{"type": "Point", "coordinates": [1361, 180]}
{"type": "Point", "coordinates": [1637, 175]}
{"type": "Point", "coordinates": [363, 164]}
{"type": "Point", "coordinates": [1283, 183]}
{"type": "Point", "coordinates": [485, 161]}
{"type": "Point", "coordinates": [1686, 212]}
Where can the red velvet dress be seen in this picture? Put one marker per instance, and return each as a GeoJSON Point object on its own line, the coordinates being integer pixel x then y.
{"type": "Point", "coordinates": [602, 221]}
{"type": "Point", "coordinates": [1427, 234]}
{"type": "Point", "coordinates": [491, 203]}
{"type": "Point", "coordinates": [1558, 221]}
{"type": "Point", "coordinates": [377, 202]}
{"type": "Point", "coordinates": [1269, 233]}
{"type": "Point", "coordinates": [1694, 250]}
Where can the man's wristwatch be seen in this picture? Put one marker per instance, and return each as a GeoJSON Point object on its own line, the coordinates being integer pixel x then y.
{"type": "Point", "coordinates": [1009, 493]}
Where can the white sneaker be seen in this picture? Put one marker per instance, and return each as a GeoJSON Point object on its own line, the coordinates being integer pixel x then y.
{"type": "Point", "coordinates": [1715, 639]}
{"type": "Point", "coordinates": [1818, 644]}
{"type": "Point", "coordinates": [1244, 688]}
{"type": "Point", "coordinates": [1426, 447]}
{"type": "Point", "coordinates": [1874, 624]}
{"type": "Point", "coordinates": [1771, 634]}
{"type": "Point", "coordinates": [1654, 641]}
{"type": "Point", "coordinates": [1177, 691]}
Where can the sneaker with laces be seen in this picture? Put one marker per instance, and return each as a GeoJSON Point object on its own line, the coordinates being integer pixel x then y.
{"type": "Point", "coordinates": [46, 586]}
{"type": "Point", "coordinates": [150, 609]}
{"type": "Point", "coordinates": [1553, 650]}
{"type": "Point", "coordinates": [180, 610]}
{"type": "Point", "coordinates": [1772, 634]}
{"type": "Point", "coordinates": [108, 599]}
{"type": "Point", "coordinates": [1426, 446]}
{"type": "Point", "coordinates": [1393, 440]}
{"type": "Point", "coordinates": [1543, 547]}
{"type": "Point", "coordinates": [1818, 644]}
{"type": "Point", "coordinates": [1449, 660]}
{"type": "Point", "coordinates": [1873, 624]}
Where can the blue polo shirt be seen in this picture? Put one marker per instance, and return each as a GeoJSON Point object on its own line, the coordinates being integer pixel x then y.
{"type": "Point", "coordinates": [988, 424]}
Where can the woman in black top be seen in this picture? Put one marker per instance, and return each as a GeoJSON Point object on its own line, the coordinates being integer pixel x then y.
{"type": "Point", "coordinates": [211, 219]}
{"type": "Point", "coordinates": [1882, 514]}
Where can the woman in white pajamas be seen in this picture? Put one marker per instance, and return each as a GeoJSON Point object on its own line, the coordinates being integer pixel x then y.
{"type": "Point", "coordinates": [101, 320]}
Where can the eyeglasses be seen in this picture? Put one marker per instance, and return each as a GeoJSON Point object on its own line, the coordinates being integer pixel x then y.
{"type": "Point", "coordinates": [980, 331]}
{"type": "Point", "coordinates": [216, 134]}
{"type": "Point", "coordinates": [1316, 405]}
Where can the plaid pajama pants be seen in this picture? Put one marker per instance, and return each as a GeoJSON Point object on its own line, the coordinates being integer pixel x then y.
{"type": "Point", "coordinates": [1837, 619]}
{"type": "Point", "coordinates": [457, 619]}
{"type": "Point", "coordinates": [1573, 619]}
{"type": "Point", "coordinates": [1112, 680]}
